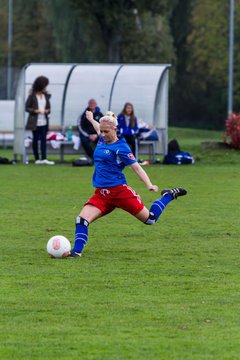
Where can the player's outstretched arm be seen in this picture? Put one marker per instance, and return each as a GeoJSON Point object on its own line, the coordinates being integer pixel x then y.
{"type": "Point", "coordinates": [95, 124]}
{"type": "Point", "coordinates": [143, 176]}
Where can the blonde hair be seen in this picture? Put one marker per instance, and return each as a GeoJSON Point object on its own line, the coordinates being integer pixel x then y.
{"type": "Point", "coordinates": [110, 117]}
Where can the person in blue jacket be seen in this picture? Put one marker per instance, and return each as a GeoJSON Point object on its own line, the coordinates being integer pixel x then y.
{"type": "Point", "coordinates": [128, 126]}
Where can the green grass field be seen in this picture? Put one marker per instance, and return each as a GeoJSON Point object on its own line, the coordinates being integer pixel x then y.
{"type": "Point", "coordinates": [168, 291]}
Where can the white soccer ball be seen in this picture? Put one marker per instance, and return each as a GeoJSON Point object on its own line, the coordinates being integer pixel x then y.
{"type": "Point", "coordinates": [58, 246]}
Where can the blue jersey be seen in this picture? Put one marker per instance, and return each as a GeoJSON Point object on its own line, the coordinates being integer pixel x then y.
{"type": "Point", "coordinates": [109, 162]}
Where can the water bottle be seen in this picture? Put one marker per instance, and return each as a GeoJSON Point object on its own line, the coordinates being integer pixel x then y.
{"type": "Point", "coordinates": [69, 133]}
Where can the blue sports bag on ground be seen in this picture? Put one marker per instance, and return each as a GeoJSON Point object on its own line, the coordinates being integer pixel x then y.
{"type": "Point", "coordinates": [178, 158]}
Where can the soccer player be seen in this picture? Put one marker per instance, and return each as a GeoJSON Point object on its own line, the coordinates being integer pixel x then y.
{"type": "Point", "coordinates": [110, 158]}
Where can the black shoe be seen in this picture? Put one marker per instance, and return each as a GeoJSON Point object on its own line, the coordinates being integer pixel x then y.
{"type": "Point", "coordinates": [74, 254]}
{"type": "Point", "coordinates": [175, 192]}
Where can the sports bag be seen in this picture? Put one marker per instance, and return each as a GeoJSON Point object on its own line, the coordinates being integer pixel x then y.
{"type": "Point", "coordinates": [178, 158]}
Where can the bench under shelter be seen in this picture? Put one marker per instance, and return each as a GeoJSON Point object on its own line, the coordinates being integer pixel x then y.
{"type": "Point", "coordinates": [112, 85]}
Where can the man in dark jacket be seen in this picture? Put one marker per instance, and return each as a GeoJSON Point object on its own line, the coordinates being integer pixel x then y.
{"type": "Point", "coordinates": [87, 132]}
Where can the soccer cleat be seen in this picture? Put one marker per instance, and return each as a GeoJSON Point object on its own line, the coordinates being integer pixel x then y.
{"type": "Point", "coordinates": [175, 192]}
{"type": "Point", "coordinates": [74, 254]}
{"type": "Point", "coordinates": [38, 162]}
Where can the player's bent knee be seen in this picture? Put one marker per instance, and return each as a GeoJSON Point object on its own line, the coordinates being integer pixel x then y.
{"type": "Point", "coordinates": [151, 219]}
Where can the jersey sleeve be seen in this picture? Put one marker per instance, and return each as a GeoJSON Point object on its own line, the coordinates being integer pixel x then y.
{"type": "Point", "coordinates": [125, 154]}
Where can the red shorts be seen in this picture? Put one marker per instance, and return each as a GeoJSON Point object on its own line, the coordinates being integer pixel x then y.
{"type": "Point", "coordinates": [122, 196]}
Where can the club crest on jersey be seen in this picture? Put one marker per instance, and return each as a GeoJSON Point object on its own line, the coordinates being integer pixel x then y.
{"type": "Point", "coordinates": [131, 156]}
{"type": "Point", "coordinates": [107, 151]}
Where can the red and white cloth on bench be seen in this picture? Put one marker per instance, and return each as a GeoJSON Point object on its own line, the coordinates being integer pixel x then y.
{"type": "Point", "coordinates": [55, 140]}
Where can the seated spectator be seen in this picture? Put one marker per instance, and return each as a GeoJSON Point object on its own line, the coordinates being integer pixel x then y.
{"type": "Point", "coordinates": [87, 133]}
{"type": "Point", "coordinates": [128, 126]}
{"type": "Point", "coordinates": [147, 131]}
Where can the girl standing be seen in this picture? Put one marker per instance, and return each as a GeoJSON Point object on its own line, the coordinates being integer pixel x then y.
{"type": "Point", "coordinates": [38, 106]}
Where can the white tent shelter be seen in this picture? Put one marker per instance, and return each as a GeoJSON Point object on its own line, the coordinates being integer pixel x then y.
{"type": "Point", "coordinates": [72, 85]}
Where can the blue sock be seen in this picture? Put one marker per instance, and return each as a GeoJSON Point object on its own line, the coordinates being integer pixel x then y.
{"type": "Point", "coordinates": [159, 205]}
{"type": "Point", "coordinates": [81, 234]}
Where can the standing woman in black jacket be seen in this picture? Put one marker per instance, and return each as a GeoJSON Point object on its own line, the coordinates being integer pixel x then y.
{"type": "Point", "coordinates": [38, 106]}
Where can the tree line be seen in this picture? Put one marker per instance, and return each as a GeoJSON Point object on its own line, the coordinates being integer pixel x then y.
{"type": "Point", "coordinates": [192, 35]}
